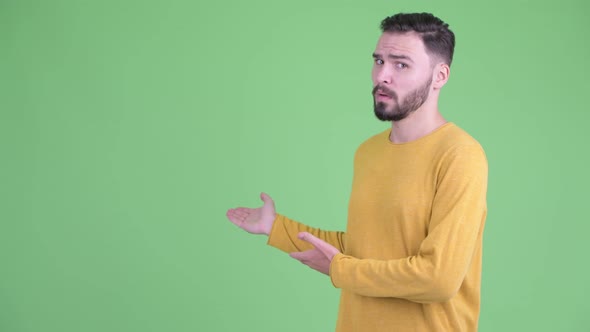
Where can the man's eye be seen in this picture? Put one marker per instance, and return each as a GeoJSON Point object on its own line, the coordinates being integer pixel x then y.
{"type": "Point", "coordinates": [379, 61]}
{"type": "Point", "coordinates": [401, 65]}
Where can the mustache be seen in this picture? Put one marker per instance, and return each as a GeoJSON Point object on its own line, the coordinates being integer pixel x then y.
{"type": "Point", "coordinates": [384, 90]}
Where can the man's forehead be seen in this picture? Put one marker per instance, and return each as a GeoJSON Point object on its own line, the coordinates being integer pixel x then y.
{"type": "Point", "coordinates": [401, 42]}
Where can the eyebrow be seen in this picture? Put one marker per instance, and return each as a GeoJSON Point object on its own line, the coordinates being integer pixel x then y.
{"type": "Point", "coordinates": [394, 57]}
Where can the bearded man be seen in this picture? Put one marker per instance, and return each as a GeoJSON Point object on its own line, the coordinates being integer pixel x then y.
{"type": "Point", "coordinates": [411, 256]}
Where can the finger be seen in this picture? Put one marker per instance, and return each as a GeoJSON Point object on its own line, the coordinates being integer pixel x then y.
{"type": "Point", "coordinates": [237, 220]}
{"type": "Point", "coordinates": [242, 210]}
{"type": "Point", "coordinates": [308, 237]}
{"type": "Point", "coordinates": [266, 199]}
{"type": "Point", "coordinates": [235, 214]}
{"type": "Point", "coordinates": [304, 255]}
{"type": "Point", "coordinates": [314, 259]}
{"type": "Point", "coordinates": [243, 213]}
{"type": "Point", "coordinates": [298, 255]}
{"type": "Point", "coordinates": [326, 248]}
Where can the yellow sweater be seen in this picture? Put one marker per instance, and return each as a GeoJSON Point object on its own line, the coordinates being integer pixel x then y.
{"type": "Point", "coordinates": [411, 254]}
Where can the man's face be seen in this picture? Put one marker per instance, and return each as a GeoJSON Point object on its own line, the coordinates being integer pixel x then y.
{"type": "Point", "coordinates": [402, 75]}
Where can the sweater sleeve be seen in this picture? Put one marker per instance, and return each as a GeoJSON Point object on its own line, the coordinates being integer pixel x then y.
{"type": "Point", "coordinates": [284, 233]}
{"type": "Point", "coordinates": [437, 271]}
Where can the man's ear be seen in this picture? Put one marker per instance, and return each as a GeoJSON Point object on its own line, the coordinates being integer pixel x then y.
{"type": "Point", "coordinates": [442, 72]}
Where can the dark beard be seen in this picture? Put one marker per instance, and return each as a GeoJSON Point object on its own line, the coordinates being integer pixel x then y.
{"type": "Point", "coordinates": [400, 111]}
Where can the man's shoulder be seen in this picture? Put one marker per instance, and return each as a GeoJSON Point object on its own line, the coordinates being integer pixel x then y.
{"type": "Point", "coordinates": [457, 145]}
{"type": "Point", "coordinates": [459, 135]}
{"type": "Point", "coordinates": [458, 138]}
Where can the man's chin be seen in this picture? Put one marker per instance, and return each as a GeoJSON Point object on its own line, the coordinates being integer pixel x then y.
{"type": "Point", "coordinates": [382, 114]}
{"type": "Point", "coordinates": [388, 115]}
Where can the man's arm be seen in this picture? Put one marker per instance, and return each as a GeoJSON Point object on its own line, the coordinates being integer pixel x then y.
{"type": "Point", "coordinates": [281, 230]}
{"type": "Point", "coordinates": [437, 271]}
{"type": "Point", "coordinates": [284, 236]}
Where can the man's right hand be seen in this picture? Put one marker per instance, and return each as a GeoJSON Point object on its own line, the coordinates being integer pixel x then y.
{"type": "Point", "coordinates": [255, 221]}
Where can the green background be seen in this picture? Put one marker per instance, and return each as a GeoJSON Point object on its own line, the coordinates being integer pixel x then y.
{"type": "Point", "coordinates": [127, 128]}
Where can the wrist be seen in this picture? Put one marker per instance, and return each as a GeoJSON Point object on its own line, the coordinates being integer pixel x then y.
{"type": "Point", "coordinates": [270, 226]}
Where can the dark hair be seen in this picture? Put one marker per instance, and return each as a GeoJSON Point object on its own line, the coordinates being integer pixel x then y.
{"type": "Point", "coordinates": [438, 39]}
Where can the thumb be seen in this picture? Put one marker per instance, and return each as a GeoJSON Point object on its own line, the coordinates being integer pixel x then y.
{"type": "Point", "coordinates": [319, 244]}
{"type": "Point", "coordinates": [326, 248]}
{"type": "Point", "coordinates": [266, 199]}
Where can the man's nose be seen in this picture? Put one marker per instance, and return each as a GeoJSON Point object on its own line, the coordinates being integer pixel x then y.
{"type": "Point", "coordinates": [384, 75]}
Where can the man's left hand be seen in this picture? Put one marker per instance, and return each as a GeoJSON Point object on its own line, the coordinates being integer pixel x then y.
{"type": "Point", "coordinates": [318, 258]}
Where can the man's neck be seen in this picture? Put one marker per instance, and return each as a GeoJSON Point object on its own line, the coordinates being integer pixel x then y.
{"type": "Point", "coordinates": [418, 124]}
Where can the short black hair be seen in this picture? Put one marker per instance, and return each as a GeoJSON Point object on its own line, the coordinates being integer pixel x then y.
{"type": "Point", "coordinates": [438, 39]}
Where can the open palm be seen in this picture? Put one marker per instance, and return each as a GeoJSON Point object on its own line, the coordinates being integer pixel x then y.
{"type": "Point", "coordinates": [255, 221]}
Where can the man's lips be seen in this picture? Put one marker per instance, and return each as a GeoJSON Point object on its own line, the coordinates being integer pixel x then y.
{"type": "Point", "coordinates": [379, 95]}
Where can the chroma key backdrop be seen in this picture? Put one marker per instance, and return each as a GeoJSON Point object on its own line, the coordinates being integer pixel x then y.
{"type": "Point", "coordinates": [128, 128]}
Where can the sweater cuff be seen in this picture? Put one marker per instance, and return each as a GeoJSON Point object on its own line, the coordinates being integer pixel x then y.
{"type": "Point", "coordinates": [278, 234]}
{"type": "Point", "coordinates": [337, 269]}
